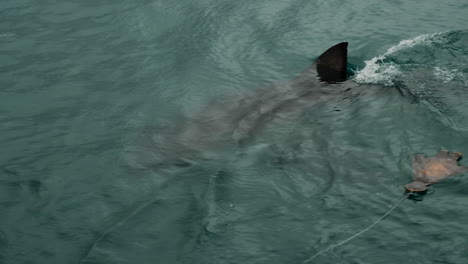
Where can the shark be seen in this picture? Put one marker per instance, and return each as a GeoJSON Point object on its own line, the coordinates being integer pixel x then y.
{"type": "Point", "coordinates": [232, 121]}
{"type": "Point", "coordinates": [225, 126]}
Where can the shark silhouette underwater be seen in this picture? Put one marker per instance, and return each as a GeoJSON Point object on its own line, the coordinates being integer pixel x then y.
{"type": "Point", "coordinates": [230, 121]}
{"type": "Point", "coordinates": [236, 118]}
{"type": "Point", "coordinates": [234, 121]}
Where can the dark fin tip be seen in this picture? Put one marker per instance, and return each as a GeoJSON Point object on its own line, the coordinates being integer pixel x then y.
{"type": "Point", "coordinates": [332, 64]}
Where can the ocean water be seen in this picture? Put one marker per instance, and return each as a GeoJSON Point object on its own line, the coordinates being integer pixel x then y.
{"type": "Point", "coordinates": [87, 89]}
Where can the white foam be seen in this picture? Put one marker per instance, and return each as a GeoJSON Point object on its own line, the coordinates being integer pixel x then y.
{"type": "Point", "coordinates": [445, 75]}
{"type": "Point", "coordinates": [376, 71]}
{"type": "Point", "coordinates": [422, 39]}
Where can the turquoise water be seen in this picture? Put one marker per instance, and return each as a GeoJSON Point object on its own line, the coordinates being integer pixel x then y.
{"type": "Point", "coordinates": [88, 87]}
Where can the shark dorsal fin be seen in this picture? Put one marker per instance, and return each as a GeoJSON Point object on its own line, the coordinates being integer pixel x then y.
{"type": "Point", "coordinates": [331, 65]}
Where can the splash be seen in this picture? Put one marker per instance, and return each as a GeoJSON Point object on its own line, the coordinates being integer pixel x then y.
{"type": "Point", "coordinates": [378, 71]}
{"type": "Point", "coordinates": [446, 75]}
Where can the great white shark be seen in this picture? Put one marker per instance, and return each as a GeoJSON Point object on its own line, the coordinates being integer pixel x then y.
{"type": "Point", "coordinates": [229, 122]}
{"type": "Point", "coordinates": [226, 124]}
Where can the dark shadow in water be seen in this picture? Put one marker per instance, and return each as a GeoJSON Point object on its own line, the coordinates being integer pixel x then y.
{"type": "Point", "coordinates": [415, 196]}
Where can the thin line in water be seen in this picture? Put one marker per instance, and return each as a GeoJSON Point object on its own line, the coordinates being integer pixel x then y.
{"type": "Point", "coordinates": [359, 233]}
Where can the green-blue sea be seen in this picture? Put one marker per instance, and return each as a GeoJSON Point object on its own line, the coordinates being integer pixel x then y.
{"type": "Point", "coordinates": [159, 132]}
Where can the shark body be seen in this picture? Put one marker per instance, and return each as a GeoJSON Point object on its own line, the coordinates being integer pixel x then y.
{"type": "Point", "coordinates": [234, 119]}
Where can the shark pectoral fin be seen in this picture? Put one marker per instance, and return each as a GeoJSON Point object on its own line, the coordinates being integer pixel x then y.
{"type": "Point", "coordinates": [331, 65]}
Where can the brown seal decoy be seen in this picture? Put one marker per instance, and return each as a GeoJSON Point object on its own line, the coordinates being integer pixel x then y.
{"type": "Point", "coordinates": [430, 170]}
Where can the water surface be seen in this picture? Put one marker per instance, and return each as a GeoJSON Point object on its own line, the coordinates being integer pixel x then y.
{"type": "Point", "coordinates": [82, 82]}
